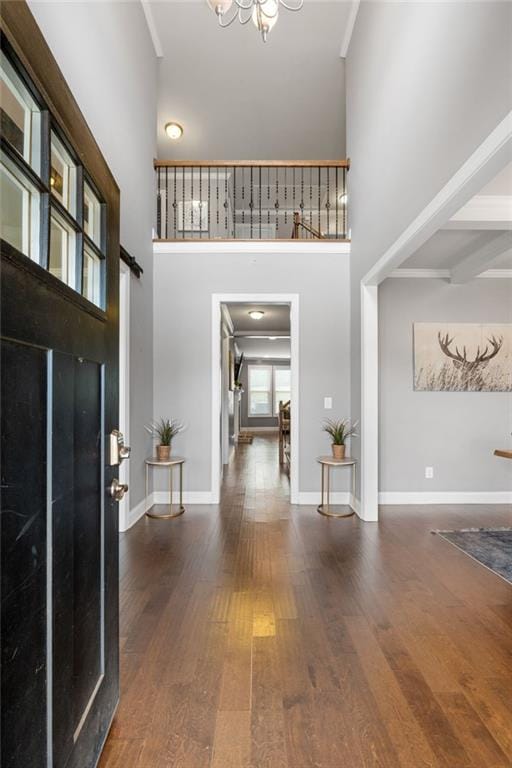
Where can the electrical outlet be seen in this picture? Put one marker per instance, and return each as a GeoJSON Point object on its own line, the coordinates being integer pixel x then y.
{"type": "Point", "coordinates": [327, 403]}
{"type": "Point", "coordinates": [429, 473]}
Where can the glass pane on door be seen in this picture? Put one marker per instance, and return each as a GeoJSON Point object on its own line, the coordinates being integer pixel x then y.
{"type": "Point", "coordinates": [19, 222]}
{"type": "Point", "coordinates": [20, 122]}
{"type": "Point", "coordinates": [62, 258]}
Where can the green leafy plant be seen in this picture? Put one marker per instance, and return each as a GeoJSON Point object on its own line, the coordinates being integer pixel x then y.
{"type": "Point", "coordinates": [164, 430]}
{"type": "Point", "coordinates": [340, 430]}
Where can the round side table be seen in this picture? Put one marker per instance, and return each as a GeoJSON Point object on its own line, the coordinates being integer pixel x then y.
{"type": "Point", "coordinates": [326, 462]}
{"type": "Point", "coordinates": [174, 461]}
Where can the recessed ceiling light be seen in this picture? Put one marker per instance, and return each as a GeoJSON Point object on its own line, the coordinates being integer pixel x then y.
{"type": "Point", "coordinates": [272, 338]}
{"type": "Point", "coordinates": [174, 131]}
{"type": "Point", "coordinates": [256, 314]}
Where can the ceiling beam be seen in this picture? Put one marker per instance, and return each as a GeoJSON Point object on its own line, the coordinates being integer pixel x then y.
{"type": "Point", "coordinates": [477, 261]}
{"type": "Point", "coordinates": [153, 32]}
{"type": "Point", "coordinates": [351, 20]}
{"type": "Point", "coordinates": [483, 212]}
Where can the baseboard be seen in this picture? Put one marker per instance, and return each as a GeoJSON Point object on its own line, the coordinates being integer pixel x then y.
{"type": "Point", "coordinates": [189, 497]}
{"type": "Point", "coordinates": [259, 429]}
{"type": "Point", "coordinates": [355, 504]}
{"type": "Point", "coordinates": [445, 497]}
{"type": "Point", "coordinates": [137, 511]}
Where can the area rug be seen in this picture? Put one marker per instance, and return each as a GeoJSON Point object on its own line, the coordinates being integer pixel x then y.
{"type": "Point", "coordinates": [492, 547]}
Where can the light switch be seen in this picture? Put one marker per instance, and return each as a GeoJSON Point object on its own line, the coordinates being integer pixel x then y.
{"type": "Point", "coordinates": [327, 403]}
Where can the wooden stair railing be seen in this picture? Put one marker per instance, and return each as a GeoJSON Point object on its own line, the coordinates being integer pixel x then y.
{"type": "Point", "coordinates": [298, 223]}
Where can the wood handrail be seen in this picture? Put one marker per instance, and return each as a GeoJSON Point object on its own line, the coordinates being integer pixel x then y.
{"type": "Point", "coordinates": [252, 164]}
{"type": "Point", "coordinates": [297, 222]}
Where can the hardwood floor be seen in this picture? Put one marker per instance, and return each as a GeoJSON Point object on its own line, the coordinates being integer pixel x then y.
{"type": "Point", "coordinates": [257, 635]}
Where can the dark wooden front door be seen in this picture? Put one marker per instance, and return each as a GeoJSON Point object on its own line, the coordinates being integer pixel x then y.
{"type": "Point", "coordinates": [59, 403]}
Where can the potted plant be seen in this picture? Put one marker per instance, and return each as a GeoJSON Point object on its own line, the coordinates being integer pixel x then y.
{"type": "Point", "coordinates": [339, 430]}
{"type": "Point", "coordinates": [164, 431]}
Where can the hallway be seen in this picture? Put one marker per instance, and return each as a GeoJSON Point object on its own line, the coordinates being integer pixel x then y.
{"type": "Point", "coordinates": [257, 635]}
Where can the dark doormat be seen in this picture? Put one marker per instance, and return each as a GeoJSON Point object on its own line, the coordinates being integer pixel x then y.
{"type": "Point", "coordinates": [492, 547]}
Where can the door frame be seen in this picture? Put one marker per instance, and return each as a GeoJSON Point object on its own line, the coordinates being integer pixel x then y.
{"type": "Point", "coordinates": [216, 454]}
{"type": "Point", "coordinates": [124, 386]}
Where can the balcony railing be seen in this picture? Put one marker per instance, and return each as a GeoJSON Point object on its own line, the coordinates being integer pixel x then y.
{"type": "Point", "coordinates": [251, 200]}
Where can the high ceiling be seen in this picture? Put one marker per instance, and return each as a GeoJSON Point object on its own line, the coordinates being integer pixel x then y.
{"type": "Point", "coordinates": [240, 99]}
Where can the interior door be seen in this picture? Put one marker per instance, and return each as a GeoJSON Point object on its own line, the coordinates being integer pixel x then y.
{"type": "Point", "coordinates": [59, 404]}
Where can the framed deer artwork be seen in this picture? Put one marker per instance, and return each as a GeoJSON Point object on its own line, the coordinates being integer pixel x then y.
{"type": "Point", "coordinates": [462, 357]}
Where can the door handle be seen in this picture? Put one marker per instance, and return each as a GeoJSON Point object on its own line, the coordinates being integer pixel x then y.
{"type": "Point", "coordinates": [117, 489]}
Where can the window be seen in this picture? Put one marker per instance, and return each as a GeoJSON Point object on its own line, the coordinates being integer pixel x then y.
{"type": "Point", "coordinates": [20, 117]}
{"type": "Point", "coordinates": [92, 215]}
{"type": "Point", "coordinates": [19, 223]}
{"type": "Point", "coordinates": [63, 176]}
{"type": "Point", "coordinates": [91, 285]}
{"type": "Point", "coordinates": [282, 386]}
{"type": "Point", "coordinates": [62, 261]}
{"type": "Point", "coordinates": [260, 390]}
{"type": "Point", "coordinates": [268, 386]}
{"type": "Point", "coordinates": [40, 198]}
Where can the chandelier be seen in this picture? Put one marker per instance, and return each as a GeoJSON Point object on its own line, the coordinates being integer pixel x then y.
{"type": "Point", "coordinates": [263, 13]}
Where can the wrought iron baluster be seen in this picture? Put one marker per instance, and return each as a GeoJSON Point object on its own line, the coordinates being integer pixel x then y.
{"type": "Point", "coordinates": [259, 199]}
{"type": "Point", "coordinates": [192, 211]}
{"type": "Point", "coordinates": [217, 198]}
{"type": "Point", "coordinates": [337, 199]}
{"type": "Point", "coordinates": [209, 204]}
{"type": "Point", "coordinates": [268, 197]}
{"type": "Point", "coordinates": [183, 203]}
{"type": "Point", "coordinates": [243, 198]}
{"type": "Point", "coordinates": [301, 196]}
{"type": "Point", "coordinates": [158, 204]}
{"type": "Point", "coordinates": [311, 197]}
{"type": "Point", "coordinates": [293, 192]}
{"type": "Point", "coordinates": [286, 195]}
{"type": "Point", "coordinates": [251, 199]}
{"type": "Point", "coordinates": [328, 202]}
{"type": "Point", "coordinates": [200, 204]}
{"type": "Point", "coordinates": [226, 200]}
{"type": "Point", "coordinates": [174, 204]}
{"type": "Point", "coordinates": [276, 204]}
{"type": "Point", "coordinates": [234, 202]}
{"type": "Point", "coordinates": [345, 200]}
{"type": "Point", "coordinates": [319, 195]}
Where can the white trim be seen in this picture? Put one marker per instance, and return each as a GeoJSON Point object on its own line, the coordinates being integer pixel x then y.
{"type": "Point", "coordinates": [137, 512]}
{"type": "Point", "coordinates": [256, 298]}
{"type": "Point", "coordinates": [369, 427]}
{"type": "Point", "coordinates": [252, 246]}
{"type": "Point", "coordinates": [445, 497]}
{"type": "Point", "coordinates": [444, 274]}
{"type": "Point", "coordinates": [124, 386]}
{"type": "Point", "coordinates": [153, 32]}
{"type": "Point", "coordinates": [486, 161]}
{"type": "Point", "coordinates": [347, 35]}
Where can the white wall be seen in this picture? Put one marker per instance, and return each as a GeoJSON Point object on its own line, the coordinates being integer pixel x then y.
{"type": "Point", "coordinates": [106, 55]}
{"type": "Point", "coordinates": [183, 287]}
{"type": "Point", "coordinates": [454, 432]}
{"type": "Point", "coordinates": [426, 84]}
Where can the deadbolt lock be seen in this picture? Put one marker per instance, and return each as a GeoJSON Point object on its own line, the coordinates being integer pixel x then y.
{"type": "Point", "coordinates": [118, 450]}
{"type": "Point", "coordinates": [117, 489]}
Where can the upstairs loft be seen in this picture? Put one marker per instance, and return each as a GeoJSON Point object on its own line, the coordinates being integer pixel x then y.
{"type": "Point", "coordinates": [251, 200]}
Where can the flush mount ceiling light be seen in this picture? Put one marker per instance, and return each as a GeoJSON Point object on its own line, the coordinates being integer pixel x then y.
{"type": "Point", "coordinates": [264, 13]}
{"type": "Point", "coordinates": [174, 131]}
{"type": "Point", "coordinates": [256, 314]}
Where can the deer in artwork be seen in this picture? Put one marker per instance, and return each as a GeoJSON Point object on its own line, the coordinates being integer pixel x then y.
{"type": "Point", "coordinates": [470, 370]}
